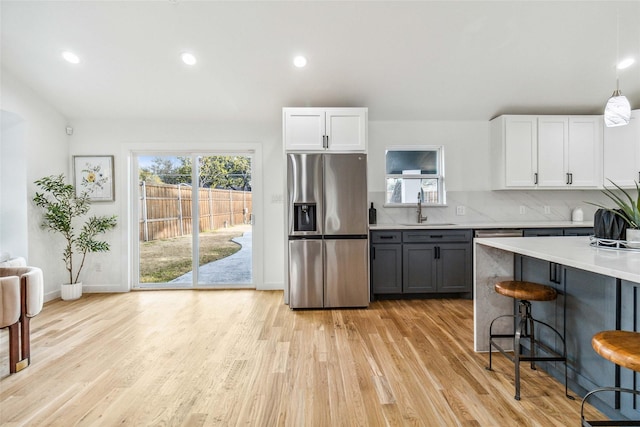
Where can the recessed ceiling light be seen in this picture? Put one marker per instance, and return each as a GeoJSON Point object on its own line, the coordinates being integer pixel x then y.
{"type": "Point", "coordinates": [70, 57]}
{"type": "Point", "coordinates": [300, 61]}
{"type": "Point", "coordinates": [625, 63]}
{"type": "Point", "coordinates": [188, 58]}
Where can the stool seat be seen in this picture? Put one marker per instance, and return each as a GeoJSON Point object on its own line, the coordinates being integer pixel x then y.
{"type": "Point", "coordinates": [619, 347]}
{"type": "Point", "coordinates": [525, 290]}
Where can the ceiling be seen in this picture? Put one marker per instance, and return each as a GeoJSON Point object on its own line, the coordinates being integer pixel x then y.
{"type": "Point", "coordinates": [415, 60]}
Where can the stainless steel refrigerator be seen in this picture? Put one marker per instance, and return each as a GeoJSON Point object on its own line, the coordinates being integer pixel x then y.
{"type": "Point", "coordinates": [328, 230]}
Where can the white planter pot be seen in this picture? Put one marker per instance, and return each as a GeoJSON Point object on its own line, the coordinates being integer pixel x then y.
{"type": "Point", "coordinates": [633, 238]}
{"type": "Point", "coordinates": [71, 291]}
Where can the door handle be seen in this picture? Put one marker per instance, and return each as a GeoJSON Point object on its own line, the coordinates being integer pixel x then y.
{"type": "Point", "coordinates": [535, 178]}
{"type": "Point", "coordinates": [373, 252]}
{"type": "Point", "coordinates": [567, 182]}
{"type": "Point", "coordinates": [570, 178]}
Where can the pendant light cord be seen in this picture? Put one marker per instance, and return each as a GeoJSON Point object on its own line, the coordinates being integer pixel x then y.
{"type": "Point", "coordinates": [617, 49]}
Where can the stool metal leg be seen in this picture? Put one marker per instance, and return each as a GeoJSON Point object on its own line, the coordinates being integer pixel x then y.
{"type": "Point", "coordinates": [516, 354]}
{"type": "Point", "coordinates": [586, 423]}
{"type": "Point", "coordinates": [526, 329]}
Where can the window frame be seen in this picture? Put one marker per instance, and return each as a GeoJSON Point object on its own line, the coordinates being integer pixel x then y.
{"type": "Point", "coordinates": [439, 176]}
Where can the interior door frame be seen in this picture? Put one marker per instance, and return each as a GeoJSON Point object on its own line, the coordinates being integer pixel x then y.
{"type": "Point", "coordinates": [130, 232]}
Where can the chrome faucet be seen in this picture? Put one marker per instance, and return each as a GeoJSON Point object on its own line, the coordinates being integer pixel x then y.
{"type": "Point", "coordinates": [419, 210]}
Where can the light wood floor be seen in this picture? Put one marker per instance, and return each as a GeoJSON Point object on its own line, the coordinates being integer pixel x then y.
{"type": "Point", "coordinates": [192, 358]}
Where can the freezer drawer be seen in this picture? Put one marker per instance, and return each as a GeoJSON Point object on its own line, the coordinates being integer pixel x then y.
{"type": "Point", "coordinates": [346, 273]}
{"type": "Point", "coordinates": [305, 274]}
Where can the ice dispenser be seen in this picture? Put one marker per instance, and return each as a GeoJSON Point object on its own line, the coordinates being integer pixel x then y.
{"type": "Point", "coordinates": [304, 217]}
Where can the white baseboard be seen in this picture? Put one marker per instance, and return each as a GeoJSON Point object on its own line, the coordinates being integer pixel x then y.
{"type": "Point", "coordinates": [277, 286]}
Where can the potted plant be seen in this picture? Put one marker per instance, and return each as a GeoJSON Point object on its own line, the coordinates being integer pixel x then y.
{"type": "Point", "coordinates": [62, 209]}
{"type": "Point", "coordinates": [628, 208]}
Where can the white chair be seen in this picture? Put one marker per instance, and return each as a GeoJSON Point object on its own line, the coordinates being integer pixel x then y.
{"type": "Point", "coordinates": [31, 295]}
{"type": "Point", "coordinates": [10, 315]}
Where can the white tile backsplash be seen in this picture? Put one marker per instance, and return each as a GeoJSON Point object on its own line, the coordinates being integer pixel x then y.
{"type": "Point", "coordinates": [496, 206]}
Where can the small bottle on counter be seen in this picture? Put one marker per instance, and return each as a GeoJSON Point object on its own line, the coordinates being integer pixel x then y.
{"type": "Point", "coordinates": [372, 214]}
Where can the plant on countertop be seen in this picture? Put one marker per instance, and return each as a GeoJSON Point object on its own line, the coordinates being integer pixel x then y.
{"type": "Point", "coordinates": [628, 211]}
{"type": "Point", "coordinates": [61, 209]}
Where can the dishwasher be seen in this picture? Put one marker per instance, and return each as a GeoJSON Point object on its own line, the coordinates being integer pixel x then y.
{"type": "Point", "coordinates": [498, 232]}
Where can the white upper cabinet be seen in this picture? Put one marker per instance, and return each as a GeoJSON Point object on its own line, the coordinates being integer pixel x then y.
{"type": "Point", "coordinates": [546, 152]}
{"type": "Point", "coordinates": [584, 151]}
{"type": "Point", "coordinates": [325, 129]}
{"type": "Point", "coordinates": [622, 153]}
{"type": "Point", "coordinates": [553, 141]}
{"type": "Point", "coordinates": [518, 160]}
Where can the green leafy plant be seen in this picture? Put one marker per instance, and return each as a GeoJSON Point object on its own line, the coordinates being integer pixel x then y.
{"type": "Point", "coordinates": [62, 208]}
{"type": "Point", "coordinates": [628, 210]}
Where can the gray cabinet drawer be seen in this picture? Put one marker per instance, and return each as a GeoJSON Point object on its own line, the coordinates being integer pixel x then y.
{"type": "Point", "coordinates": [386, 236]}
{"type": "Point", "coordinates": [436, 236]}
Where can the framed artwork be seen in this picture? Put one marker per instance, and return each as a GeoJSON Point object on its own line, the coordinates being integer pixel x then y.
{"type": "Point", "coordinates": [94, 175]}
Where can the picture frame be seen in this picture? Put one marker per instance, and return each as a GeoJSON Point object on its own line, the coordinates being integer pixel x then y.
{"type": "Point", "coordinates": [94, 175]}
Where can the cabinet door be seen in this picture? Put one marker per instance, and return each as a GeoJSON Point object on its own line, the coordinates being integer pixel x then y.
{"type": "Point", "coordinates": [584, 306]}
{"type": "Point", "coordinates": [578, 231]}
{"type": "Point", "coordinates": [304, 128]}
{"type": "Point", "coordinates": [346, 129]}
{"type": "Point", "coordinates": [622, 153]}
{"type": "Point", "coordinates": [541, 232]}
{"type": "Point", "coordinates": [521, 148]}
{"type": "Point", "coordinates": [454, 267]}
{"type": "Point", "coordinates": [553, 133]}
{"type": "Point", "coordinates": [585, 151]}
{"type": "Point", "coordinates": [630, 321]}
{"type": "Point", "coordinates": [590, 308]}
{"type": "Point", "coordinates": [418, 268]}
{"type": "Point", "coordinates": [386, 268]}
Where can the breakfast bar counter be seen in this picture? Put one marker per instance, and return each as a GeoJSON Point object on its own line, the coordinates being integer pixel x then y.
{"type": "Point", "coordinates": [598, 289]}
{"type": "Point", "coordinates": [494, 261]}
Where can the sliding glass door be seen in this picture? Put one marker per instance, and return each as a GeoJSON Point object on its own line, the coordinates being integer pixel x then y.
{"type": "Point", "coordinates": [195, 220]}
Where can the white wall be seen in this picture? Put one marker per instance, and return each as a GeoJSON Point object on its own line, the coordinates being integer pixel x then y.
{"type": "Point", "coordinates": [120, 138]}
{"type": "Point", "coordinates": [466, 148]}
{"type": "Point", "coordinates": [41, 148]}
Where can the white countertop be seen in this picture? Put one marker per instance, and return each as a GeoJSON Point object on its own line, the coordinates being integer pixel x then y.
{"type": "Point", "coordinates": [483, 225]}
{"type": "Point", "coordinates": [572, 252]}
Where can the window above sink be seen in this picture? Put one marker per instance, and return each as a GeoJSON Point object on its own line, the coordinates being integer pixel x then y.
{"type": "Point", "coordinates": [412, 172]}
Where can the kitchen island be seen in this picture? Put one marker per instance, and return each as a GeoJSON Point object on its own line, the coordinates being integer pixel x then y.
{"type": "Point", "coordinates": [598, 289]}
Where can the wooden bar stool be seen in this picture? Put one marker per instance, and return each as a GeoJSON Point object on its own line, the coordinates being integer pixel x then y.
{"type": "Point", "coordinates": [623, 349]}
{"type": "Point", "coordinates": [525, 292]}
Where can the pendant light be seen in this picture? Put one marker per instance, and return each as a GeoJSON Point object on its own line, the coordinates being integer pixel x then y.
{"type": "Point", "coordinates": [618, 110]}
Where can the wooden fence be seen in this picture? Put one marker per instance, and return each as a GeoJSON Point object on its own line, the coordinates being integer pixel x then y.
{"type": "Point", "coordinates": [166, 210]}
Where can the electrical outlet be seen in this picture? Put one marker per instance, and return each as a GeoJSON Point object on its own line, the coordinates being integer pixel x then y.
{"type": "Point", "coordinates": [523, 210]}
{"type": "Point", "coordinates": [547, 210]}
{"type": "Point", "coordinates": [98, 267]}
{"type": "Point", "coordinates": [460, 210]}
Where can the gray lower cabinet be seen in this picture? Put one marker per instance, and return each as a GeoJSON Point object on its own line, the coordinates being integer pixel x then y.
{"type": "Point", "coordinates": [444, 267]}
{"type": "Point", "coordinates": [386, 262]}
{"type": "Point", "coordinates": [586, 304]}
{"type": "Point", "coordinates": [570, 231]}
{"type": "Point", "coordinates": [419, 266]}
{"type": "Point", "coordinates": [421, 262]}
{"type": "Point", "coordinates": [629, 321]}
